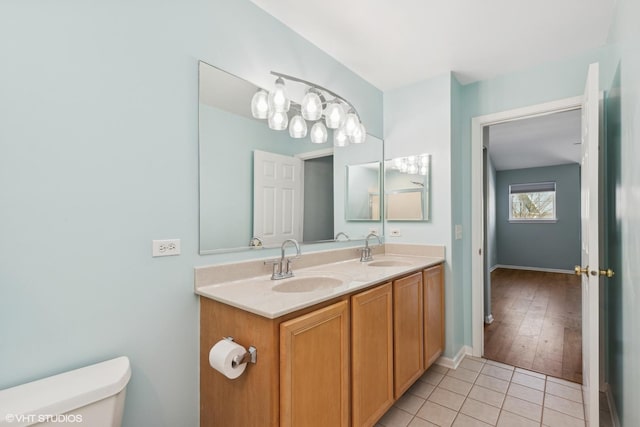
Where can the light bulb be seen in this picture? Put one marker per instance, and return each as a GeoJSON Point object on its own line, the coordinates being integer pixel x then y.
{"type": "Point", "coordinates": [359, 135]}
{"type": "Point", "coordinates": [351, 122]}
{"type": "Point", "coordinates": [278, 100]}
{"type": "Point", "coordinates": [319, 133]}
{"type": "Point", "coordinates": [278, 120]}
{"type": "Point", "coordinates": [424, 159]}
{"type": "Point", "coordinates": [311, 106]}
{"type": "Point", "coordinates": [297, 127]}
{"type": "Point", "coordinates": [412, 169]}
{"type": "Point", "coordinates": [423, 170]}
{"type": "Point", "coordinates": [340, 138]}
{"type": "Point", "coordinates": [411, 160]}
{"type": "Point", "coordinates": [260, 104]}
{"type": "Point", "coordinates": [334, 115]}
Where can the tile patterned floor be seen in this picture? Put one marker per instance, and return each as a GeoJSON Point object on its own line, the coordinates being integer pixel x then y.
{"type": "Point", "coordinates": [484, 393]}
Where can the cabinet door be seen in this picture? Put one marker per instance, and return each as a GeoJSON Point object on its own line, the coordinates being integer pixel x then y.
{"type": "Point", "coordinates": [314, 368]}
{"type": "Point", "coordinates": [408, 336]}
{"type": "Point", "coordinates": [433, 314]}
{"type": "Point", "coordinates": [371, 354]}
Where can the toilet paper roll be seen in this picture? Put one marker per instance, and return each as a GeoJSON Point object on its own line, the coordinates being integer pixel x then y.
{"type": "Point", "coordinates": [221, 358]}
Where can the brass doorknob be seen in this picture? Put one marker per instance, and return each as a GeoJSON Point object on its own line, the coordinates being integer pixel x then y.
{"type": "Point", "coordinates": [608, 272]}
{"type": "Point", "coordinates": [579, 270]}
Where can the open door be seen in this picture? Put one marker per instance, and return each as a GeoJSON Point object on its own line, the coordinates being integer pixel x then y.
{"type": "Point", "coordinates": [277, 197]}
{"type": "Point", "coordinates": [590, 246]}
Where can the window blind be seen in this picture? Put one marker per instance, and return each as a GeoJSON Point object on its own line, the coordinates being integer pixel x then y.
{"type": "Point", "coordinates": [533, 187]}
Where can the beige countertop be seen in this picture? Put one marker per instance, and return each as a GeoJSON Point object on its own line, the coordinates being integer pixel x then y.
{"type": "Point", "coordinates": [273, 298]}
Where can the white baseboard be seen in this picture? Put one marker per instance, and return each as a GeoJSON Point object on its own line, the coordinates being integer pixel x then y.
{"type": "Point", "coordinates": [493, 268]}
{"type": "Point", "coordinates": [612, 406]}
{"type": "Point", "coordinates": [450, 363]}
{"type": "Point", "coordinates": [547, 270]}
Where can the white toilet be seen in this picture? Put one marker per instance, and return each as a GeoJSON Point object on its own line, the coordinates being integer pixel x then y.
{"type": "Point", "coordinates": [92, 396]}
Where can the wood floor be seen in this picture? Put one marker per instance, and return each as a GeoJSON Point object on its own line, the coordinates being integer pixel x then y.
{"type": "Point", "coordinates": [537, 322]}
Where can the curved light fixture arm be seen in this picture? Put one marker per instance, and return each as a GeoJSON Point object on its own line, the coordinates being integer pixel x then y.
{"type": "Point", "coordinates": [316, 86]}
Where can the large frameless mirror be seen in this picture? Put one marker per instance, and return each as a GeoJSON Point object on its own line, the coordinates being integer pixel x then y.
{"type": "Point", "coordinates": [237, 153]}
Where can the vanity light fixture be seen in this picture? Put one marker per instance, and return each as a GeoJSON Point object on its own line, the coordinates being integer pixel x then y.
{"type": "Point", "coordinates": [325, 108]}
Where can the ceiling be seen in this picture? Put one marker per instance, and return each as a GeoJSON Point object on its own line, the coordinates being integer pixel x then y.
{"type": "Point", "coordinates": [395, 43]}
{"type": "Point", "coordinates": [553, 139]}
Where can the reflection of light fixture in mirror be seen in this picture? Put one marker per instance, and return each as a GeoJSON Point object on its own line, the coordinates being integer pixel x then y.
{"type": "Point", "coordinates": [334, 115]}
{"type": "Point", "coordinates": [312, 105]}
{"type": "Point", "coordinates": [260, 104]}
{"type": "Point", "coordinates": [413, 165]}
{"type": "Point", "coordinates": [319, 134]}
{"type": "Point", "coordinates": [359, 135]}
{"type": "Point", "coordinates": [297, 127]}
{"type": "Point", "coordinates": [277, 120]}
{"type": "Point", "coordinates": [340, 138]}
{"type": "Point", "coordinates": [339, 114]}
{"type": "Point", "coordinates": [278, 100]}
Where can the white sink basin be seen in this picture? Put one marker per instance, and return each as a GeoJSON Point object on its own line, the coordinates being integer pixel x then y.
{"type": "Point", "coordinates": [307, 284]}
{"type": "Point", "coordinates": [389, 263]}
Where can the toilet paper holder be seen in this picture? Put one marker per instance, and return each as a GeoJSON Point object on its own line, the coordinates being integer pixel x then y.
{"type": "Point", "coordinates": [251, 356]}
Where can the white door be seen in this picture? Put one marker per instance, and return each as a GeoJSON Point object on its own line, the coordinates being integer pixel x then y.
{"type": "Point", "coordinates": [590, 249]}
{"type": "Point", "coordinates": [277, 197]}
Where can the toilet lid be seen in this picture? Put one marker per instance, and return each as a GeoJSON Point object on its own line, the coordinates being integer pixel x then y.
{"type": "Point", "coordinates": [65, 392]}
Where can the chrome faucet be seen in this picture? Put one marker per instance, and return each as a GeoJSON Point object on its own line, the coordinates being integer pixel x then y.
{"type": "Point", "coordinates": [282, 266]}
{"type": "Point", "coordinates": [342, 233]}
{"type": "Point", "coordinates": [365, 253]}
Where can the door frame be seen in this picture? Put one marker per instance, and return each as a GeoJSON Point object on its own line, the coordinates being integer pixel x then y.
{"type": "Point", "coordinates": [477, 204]}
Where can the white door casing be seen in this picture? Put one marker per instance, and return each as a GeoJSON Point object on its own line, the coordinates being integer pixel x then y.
{"type": "Point", "coordinates": [477, 192]}
{"type": "Point", "coordinates": [277, 197]}
{"type": "Point", "coordinates": [589, 180]}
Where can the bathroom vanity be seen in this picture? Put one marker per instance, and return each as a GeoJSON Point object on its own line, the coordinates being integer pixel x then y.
{"type": "Point", "coordinates": [337, 344]}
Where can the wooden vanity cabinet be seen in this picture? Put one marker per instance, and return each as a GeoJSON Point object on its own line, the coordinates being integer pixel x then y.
{"type": "Point", "coordinates": [314, 368]}
{"type": "Point", "coordinates": [408, 334]}
{"type": "Point", "coordinates": [371, 355]}
{"type": "Point", "coordinates": [433, 278]}
{"type": "Point", "coordinates": [340, 363]}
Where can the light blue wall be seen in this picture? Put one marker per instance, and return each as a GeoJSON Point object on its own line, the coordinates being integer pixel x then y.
{"type": "Point", "coordinates": [418, 119]}
{"type": "Point", "coordinates": [98, 156]}
{"type": "Point", "coordinates": [540, 245]}
{"type": "Point", "coordinates": [624, 222]}
{"type": "Point", "coordinates": [543, 83]}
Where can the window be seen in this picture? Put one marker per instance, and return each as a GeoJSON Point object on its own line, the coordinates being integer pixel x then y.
{"type": "Point", "coordinates": [532, 202]}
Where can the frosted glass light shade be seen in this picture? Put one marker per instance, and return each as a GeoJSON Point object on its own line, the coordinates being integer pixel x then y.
{"type": "Point", "coordinates": [278, 100]}
{"type": "Point", "coordinates": [334, 115]}
{"type": "Point", "coordinates": [412, 169]}
{"type": "Point", "coordinates": [278, 120]}
{"type": "Point", "coordinates": [351, 122]}
{"type": "Point", "coordinates": [311, 106]}
{"type": "Point", "coordinates": [319, 134]}
{"type": "Point", "coordinates": [340, 138]}
{"type": "Point", "coordinates": [260, 104]}
{"type": "Point", "coordinates": [359, 135]}
{"type": "Point", "coordinates": [297, 127]}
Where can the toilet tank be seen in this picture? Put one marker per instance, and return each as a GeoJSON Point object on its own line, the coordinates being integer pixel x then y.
{"type": "Point", "coordinates": [90, 396]}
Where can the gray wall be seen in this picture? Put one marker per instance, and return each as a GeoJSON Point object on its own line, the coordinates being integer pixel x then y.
{"type": "Point", "coordinates": [541, 245]}
{"type": "Point", "coordinates": [318, 199]}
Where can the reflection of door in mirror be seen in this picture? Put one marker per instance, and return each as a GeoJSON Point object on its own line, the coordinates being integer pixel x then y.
{"type": "Point", "coordinates": [318, 223]}
{"type": "Point", "coordinates": [277, 197]}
